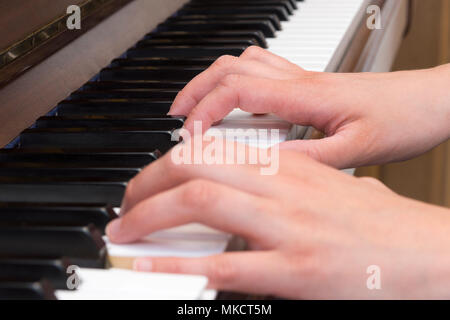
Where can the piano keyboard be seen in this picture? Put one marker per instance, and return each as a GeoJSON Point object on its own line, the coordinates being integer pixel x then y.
{"type": "Point", "coordinates": [62, 178]}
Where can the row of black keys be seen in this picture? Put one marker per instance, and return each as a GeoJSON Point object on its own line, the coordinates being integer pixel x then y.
{"type": "Point", "coordinates": [54, 184]}
{"type": "Point", "coordinates": [124, 101]}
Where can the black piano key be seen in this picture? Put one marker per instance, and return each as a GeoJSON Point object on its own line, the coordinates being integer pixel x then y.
{"type": "Point", "coordinates": [151, 73]}
{"type": "Point", "coordinates": [75, 190]}
{"type": "Point", "coordinates": [294, 3]}
{"type": "Point", "coordinates": [115, 174]}
{"type": "Point", "coordinates": [83, 245]}
{"type": "Point", "coordinates": [34, 270]}
{"type": "Point", "coordinates": [256, 35]}
{"type": "Point", "coordinates": [113, 107]}
{"type": "Point", "coordinates": [261, 25]}
{"type": "Point", "coordinates": [61, 158]}
{"type": "Point", "coordinates": [42, 290]}
{"type": "Point", "coordinates": [163, 61]}
{"type": "Point", "coordinates": [279, 11]}
{"type": "Point", "coordinates": [186, 51]}
{"type": "Point", "coordinates": [125, 94]}
{"type": "Point", "coordinates": [48, 214]}
{"type": "Point", "coordinates": [84, 169]}
{"type": "Point", "coordinates": [229, 17]}
{"type": "Point", "coordinates": [97, 138]}
{"type": "Point", "coordinates": [289, 5]}
{"type": "Point", "coordinates": [153, 123]}
{"type": "Point", "coordinates": [255, 3]}
{"type": "Point", "coordinates": [195, 41]}
{"type": "Point", "coordinates": [137, 84]}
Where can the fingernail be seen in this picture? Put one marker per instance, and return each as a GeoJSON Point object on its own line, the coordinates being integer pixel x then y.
{"type": "Point", "coordinates": [113, 229]}
{"type": "Point", "coordinates": [142, 264]}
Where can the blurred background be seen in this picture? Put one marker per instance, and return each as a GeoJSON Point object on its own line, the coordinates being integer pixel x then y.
{"type": "Point", "coordinates": [427, 44]}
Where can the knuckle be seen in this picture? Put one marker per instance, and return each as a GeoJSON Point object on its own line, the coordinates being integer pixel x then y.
{"type": "Point", "coordinates": [208, 115]}
{"type": "Point", "coordinates": [222, 271]}
{"type": "Point", "coordinates": [304, 264]}
{"type": "Point", "coordinates": [252, 51]}
{"type": "Point", "coordinates": [230, 80]}
{"type": "Point", "coordinates": [225, 61]}
{"type": "Point", "coordinates": [186, 96]}
{"type": "Point", "coordinates": [198, 194]}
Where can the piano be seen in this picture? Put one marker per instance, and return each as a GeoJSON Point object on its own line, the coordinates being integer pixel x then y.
{"type": "Point", "coordinates": [84, 111]}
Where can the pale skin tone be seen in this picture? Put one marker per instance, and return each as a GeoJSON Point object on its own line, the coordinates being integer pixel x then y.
{"type": "Point", "coordinates": [312, 230]}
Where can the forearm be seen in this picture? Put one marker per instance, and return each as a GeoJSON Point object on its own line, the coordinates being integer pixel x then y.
{"type": "Point", "coordinates": [428, 277]}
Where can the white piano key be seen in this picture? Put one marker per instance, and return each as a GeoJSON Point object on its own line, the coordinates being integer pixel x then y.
{"type": "Point", "coordinates": [208, 295]}
{"type": "Point", "coordinates": [118, 284]}
{"type": "Point", "coordinates": [192, 240]}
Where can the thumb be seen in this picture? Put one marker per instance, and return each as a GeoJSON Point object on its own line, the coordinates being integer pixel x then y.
{"type": "Point", "coordinates": [338, 151]}
{"type": "Point", "coordinates": [251, 271]}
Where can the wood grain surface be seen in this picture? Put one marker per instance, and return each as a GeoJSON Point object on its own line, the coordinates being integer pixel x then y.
{"type": "Point", "coordinates": [19, 18]}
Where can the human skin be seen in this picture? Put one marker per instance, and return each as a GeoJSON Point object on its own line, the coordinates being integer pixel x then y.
{"type": "Point", "coordinates": [368, 118]}
{"type": "Point", "coordinates": [312, 231]}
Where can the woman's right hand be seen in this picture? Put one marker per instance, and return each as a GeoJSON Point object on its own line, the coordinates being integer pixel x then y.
{"type": "Point", "coordinates": [368, 118]}
{"type": "Point", "coordinates": [312, 231]}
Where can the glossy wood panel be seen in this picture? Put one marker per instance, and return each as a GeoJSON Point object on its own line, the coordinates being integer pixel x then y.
{"type": "Point", "coordinates": [38, 90]}
{"type": "Point", "coordinates": [19, 18]}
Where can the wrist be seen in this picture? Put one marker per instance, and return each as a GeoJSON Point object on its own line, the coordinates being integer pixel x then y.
{"type": "Point", "coordinates": [442, 97]}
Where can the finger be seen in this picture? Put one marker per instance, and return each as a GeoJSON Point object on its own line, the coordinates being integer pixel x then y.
{"type": "Point", "coordinates": [202, 84]}
{"type": "Point", "coordinates": [251, 272]}
{"type": "Point", "coordinates": [167, 173]}
{"type": "Point", "coordinates": [290, 100]}
{"type": "Point", "coordinates": [267, 57]}
{"type": "Point", "coordinates": [203, 202]}
{"type": "Point", "coordinates": [337, 151]}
